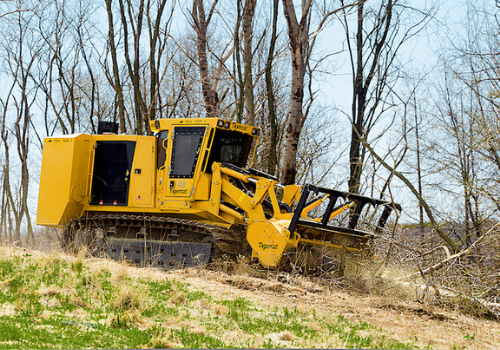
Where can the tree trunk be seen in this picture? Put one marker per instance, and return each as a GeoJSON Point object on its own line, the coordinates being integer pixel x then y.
{"type": "Point", "coordinates": [153, 41]}
{"type": "Point", "coordinates": [358, 110]}
{"type": "Point", "coordinates": [419, 172]}
{"type": "Point", "coordinates": [240, 84]}
{"type": "Point", "coordinates": [370, 62]}
{"type": "Point", "coordinates": [248, 13]}
{"type": "Point", "coordinates": [298, 38]}
{"type": "Point", "coordinates": [200, 25]}
{"type": "Point", "coordinates": [273, 133]}
{"type": "Point", "coordinates": [133, 67]}
{"type": "Point", "coordinates": [293, 123]}
{"type": "Point", "coordinates": [117, 86]}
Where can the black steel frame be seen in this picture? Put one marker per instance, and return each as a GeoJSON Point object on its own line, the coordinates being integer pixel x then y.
{"type": "Point", "coordinates": [359, 200]}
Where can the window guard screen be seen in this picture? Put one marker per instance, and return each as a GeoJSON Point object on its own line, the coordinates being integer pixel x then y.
{"type": "Point", "coordinates": [185, 151]}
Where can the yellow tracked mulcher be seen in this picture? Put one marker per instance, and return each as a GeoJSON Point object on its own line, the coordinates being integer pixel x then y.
{"type": "Point", "coordinates": [185, 195]}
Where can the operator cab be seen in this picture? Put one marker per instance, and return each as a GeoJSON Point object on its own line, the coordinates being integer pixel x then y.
{"type": "Point", "coordinates": [223, 145]}
{"type": "Point", "coordinates": [187, 148]}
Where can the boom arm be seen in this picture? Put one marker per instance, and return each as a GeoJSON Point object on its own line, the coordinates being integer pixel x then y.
{"type": "Point", "coordinates": [273, 228]}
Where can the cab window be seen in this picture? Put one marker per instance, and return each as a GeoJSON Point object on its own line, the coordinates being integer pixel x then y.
{"type": "Point", "coordinates": [185, 150]}
{"type": "Point", "coordinates": [162, 148]}
{"type": "Point", "coordinates": [231, 147]}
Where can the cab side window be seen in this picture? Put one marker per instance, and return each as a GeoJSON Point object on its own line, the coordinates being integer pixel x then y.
{"type": "Point", "coordinates": [162, 148]}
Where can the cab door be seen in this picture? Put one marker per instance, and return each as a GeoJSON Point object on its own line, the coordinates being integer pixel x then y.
{"type": "Point", "coordinates": [184, 161]}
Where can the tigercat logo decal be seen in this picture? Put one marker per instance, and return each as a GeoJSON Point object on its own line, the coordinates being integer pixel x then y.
{"type": "Point", "coordinates": [240, 127]}
{"type": "Point", "coordinates": [265, 246]}
{"type": "Point", "coordinates": [179, 191]}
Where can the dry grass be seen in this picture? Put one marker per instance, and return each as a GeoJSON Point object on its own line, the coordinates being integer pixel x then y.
{"type": "Point", "coordinates": [287, 336]}
{"type": "Point", "coordinates": [390, 309]}
{"type": "Point", "coordinates": [127, 298]}
{"type": "Point", "coordinates": [395, 308]}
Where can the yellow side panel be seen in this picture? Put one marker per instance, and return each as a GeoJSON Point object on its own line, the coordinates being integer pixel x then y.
{"type": "Point", "coordinates": [142, 178]}
{"type": "Point", "coordinates": [202, 191]}
{"type": "Point", "coordinates": [63, 179]}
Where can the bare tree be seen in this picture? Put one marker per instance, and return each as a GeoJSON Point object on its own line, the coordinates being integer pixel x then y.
{"type": "Point", "coordinates": [298, 34]}
{"type": "Point", "coordinates": [133, 18]}
{"type": "Point", "coordinates": [116, 80]}
{"type": "Point", "coordinates": [301, 47]}
{"type": "Point", "coordinates": [248, 14]}
{"type": "Point", "coordinates": [21, 51]}
{"type": "Point", "coordinates": [200, 25]}
{"type": "Point", "coordinates": [272, 160]}
{"type": "Point", "coordinates": [156, 49]}
{"type": "Point", "coordinates": [373, 45]}
{"type": "Point", "coordinates": [7, 201]}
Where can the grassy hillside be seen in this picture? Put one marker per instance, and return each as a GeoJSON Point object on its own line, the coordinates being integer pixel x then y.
{"type": "Point", "coordinates": [57, 301]}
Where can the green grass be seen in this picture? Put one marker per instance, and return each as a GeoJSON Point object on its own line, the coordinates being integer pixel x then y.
{"type": "Point", "coordinates": [29, 333]}
{"type": "Point", "coordinates": [50, 302]}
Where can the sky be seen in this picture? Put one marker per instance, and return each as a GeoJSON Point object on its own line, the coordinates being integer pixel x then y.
{"type": "Point", "coordinates": [421, 53]}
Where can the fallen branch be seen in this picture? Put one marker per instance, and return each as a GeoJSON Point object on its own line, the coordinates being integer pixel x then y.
{"type": "Point", "coordinates": [487, 305]}
{"type": "Point", "coordinates": [451, 257]}
{"type": "Point", "coordinates": [490, 307]}
{"type": "Point", "coordinates": [446, 250]}
{"type": "Point", "coordinates": [410, 186]}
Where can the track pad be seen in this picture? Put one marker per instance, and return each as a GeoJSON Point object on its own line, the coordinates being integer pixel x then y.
{"type": "Point", "coordinates": [164, 255]}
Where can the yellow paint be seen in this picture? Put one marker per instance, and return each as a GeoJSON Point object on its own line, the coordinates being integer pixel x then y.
{"type": "Point", "coordinates": [142, 185]}
{"type": "Point", "coordinates": [313, 205]}
{"type": "Point", "coordinates": [341, 210]}
{"type": "Point", "coordinates": [63, 179]}
{"type": "Point", "coordinates": [210, 195]}
{"type": "Point", "coordinates": [202, 188]}
{"type": "Point", "coordinates": [269, 240]}
{"type": "Point", "coordinates": [168, 123]}
{"type": "Point", "coordinates": [291, 193]}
